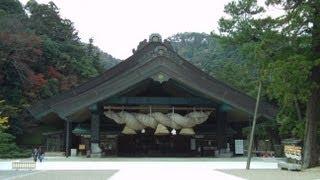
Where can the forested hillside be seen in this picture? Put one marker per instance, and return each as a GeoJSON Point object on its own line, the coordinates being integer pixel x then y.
{"type": "Point", "coordinates": [107, 60]}
{"type": "Point", "coordinates": [211, 54]}
{"type": "Point", "coordinates": [41, 55]}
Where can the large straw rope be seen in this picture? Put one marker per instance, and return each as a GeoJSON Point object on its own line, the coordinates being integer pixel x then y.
{"type": "Point", "coordinates": [182, 121]}
{"type": "Point", "coordinates": [198, 117]}
{"type": "Point", "coordinates": [161, 130]}
{"type": "Point", "coordinates": [187, 131]}
{"type": "Point", "coordinates": [146, 119]}
{"type": "Point", "coordinates": [114, 116]}
{"type": "Point", "coordinates": [127, 130]}
{"type": "Point", "coordinates": [131, 121]}
{"type": "Point", "coordinates": [162, 118]}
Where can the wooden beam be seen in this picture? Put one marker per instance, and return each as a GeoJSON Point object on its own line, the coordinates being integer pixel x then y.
{"type": "Point", "coordinates": [157, 108]}
{"type": "Point", "coordinates": [192, 101]}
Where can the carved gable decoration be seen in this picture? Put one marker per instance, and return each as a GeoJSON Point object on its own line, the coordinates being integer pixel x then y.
{"type": "Point", "coordinates": [155, 37]}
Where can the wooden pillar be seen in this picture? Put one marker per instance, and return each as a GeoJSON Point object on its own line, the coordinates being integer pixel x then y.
{"type": "Point", "coordinates": [221, 128]}
{"type": "Point", "coordinates": [68, 129]}
{"type": "Point", "coordinates": [95, 131]}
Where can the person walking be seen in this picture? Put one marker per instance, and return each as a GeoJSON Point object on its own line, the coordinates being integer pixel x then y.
{"type": "Point", "coordinates": [40, 154]}
{"type": "Point", "coordinates": [35, 154]}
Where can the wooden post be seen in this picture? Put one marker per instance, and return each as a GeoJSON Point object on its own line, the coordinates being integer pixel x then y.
{"type": "Point", "coordinates": [95, 130]}
{"type": "Point", "coordinates": [221, 128]}
{"type": "Point", "coordinates": [68, 137]}
{"type": "Point", "coordinates": [253, 127]}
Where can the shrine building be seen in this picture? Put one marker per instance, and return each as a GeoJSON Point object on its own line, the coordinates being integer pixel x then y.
{"type": "Point", "coordinates": [153, 104]}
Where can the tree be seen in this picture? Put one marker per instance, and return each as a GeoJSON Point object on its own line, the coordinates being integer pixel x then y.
{"type": "Point", "coordinates": [40, 56]}
{"type": "Point", "coordinates": [45, 20]}
{"type": "Point", "coordinates": [287, 51]}
{"type": "Point", "coordinates": [3, 119]}
{"type": "Point", "coordinates": [11, 7]}
{"type": "Point", "coordinates": [8, 148]}
{"type": "Point", "coordinates": [302, 18]}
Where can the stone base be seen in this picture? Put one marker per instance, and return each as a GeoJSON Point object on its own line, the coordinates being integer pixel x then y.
{"type": "Point", "coordinates": [95, 150]}
{"type": "Point", "coordinates": [73, 152]}
{"type": "Point", "coordinates": [290, 166]}
{"type": "Point", "coordinates": [95, 155]}
{"type": "Point", "coordinates": [225, 155]}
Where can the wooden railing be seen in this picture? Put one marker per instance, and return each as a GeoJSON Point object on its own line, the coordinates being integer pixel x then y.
{"type": "Point", "coordinates": [23, 165]}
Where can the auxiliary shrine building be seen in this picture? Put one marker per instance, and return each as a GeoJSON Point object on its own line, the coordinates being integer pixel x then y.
{"type": "Point", "coordinates": [154, 103]}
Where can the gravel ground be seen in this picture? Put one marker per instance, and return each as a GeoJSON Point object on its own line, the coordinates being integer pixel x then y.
{"type": "Point", "coordinates": [276, 174]}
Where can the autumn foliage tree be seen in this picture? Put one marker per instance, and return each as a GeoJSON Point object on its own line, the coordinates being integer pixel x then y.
{"type": "Point", "coordinates": [41, 55]}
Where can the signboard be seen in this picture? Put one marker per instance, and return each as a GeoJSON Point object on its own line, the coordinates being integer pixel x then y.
{"type": "Point", "coordinates": [293, 152]}
{"type": "Point", "coordinates": [82, 147]}
{"type": "Point", "coordinates": [238, 145]}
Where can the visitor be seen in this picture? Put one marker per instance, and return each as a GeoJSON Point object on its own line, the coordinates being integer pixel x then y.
{"type": "Point", "coordinates": [35, 154]}
{"type": "Point", "coordinates": [40, 154]}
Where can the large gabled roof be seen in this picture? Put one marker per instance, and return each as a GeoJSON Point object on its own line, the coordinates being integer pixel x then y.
{"type": "Point", "coordinates": [153, 59]}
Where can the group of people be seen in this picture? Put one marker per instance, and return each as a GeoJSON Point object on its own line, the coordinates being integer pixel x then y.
{"type": "Point", "coordinates": [38, 154]}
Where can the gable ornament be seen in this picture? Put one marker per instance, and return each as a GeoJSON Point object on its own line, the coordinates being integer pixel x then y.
{"type": "Point", "coordinates": [160, 77]}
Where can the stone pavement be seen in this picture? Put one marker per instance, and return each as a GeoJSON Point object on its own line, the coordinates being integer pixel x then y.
{"type": "Point", "coordinates": [275, 174]}
{"type": "Point", "coordinates": [137, 168]}
{"type": "Point", "coordinates": [77, 163]}
{"type": "Point", "coordinates": [56, 175]}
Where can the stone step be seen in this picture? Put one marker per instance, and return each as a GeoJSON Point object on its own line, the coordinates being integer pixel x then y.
{"type": "Point", "coordinates": [289, 166]}
{"type": "Point", "coordinates": [54, 154]}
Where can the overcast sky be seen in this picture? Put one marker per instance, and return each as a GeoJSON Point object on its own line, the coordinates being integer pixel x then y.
{"type": "Point", "coordinates": [117, 26]}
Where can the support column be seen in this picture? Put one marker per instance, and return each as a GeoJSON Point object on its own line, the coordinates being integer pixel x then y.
{"type": "Point", "coordinates": [221, 128]}
{"type": "Point", "coordinates": [95, 131]}
{"type": "Point", "coordinates": [68, 129]}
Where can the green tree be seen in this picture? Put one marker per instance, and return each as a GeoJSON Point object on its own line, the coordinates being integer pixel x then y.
{"type": "Point", "coordinates": [11, 7]}
{"type": "Point", "coordinates": [285, 51]}
{"type": "Point", "coordinates": [46, 20]}
{"type": "Point", "coordinates": [8, 148]}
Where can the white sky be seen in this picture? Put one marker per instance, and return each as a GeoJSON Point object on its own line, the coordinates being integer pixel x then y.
{"type": "Point", "coordinates": [117, 26]}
